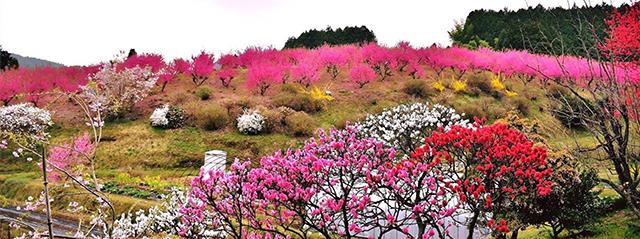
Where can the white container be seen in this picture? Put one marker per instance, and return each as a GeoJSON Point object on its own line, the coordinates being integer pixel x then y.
{"type": "Point", "coordinates": [215, 160]}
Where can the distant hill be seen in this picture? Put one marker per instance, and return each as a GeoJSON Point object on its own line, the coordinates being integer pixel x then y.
{"type": "Point", "coordinates": [31, 62]}
{"type": "Point", "coordinates": [536, 29]}
{"type": "Point", "coordinates": [316, 38]}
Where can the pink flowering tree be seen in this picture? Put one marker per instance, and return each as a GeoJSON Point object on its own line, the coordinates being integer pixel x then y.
{"type": "Point", "coordinates": [415, 70]}
{"type": "Point", "coordinates": [261, 76]}
{"type": "Point", "coordinates": [12, 85]}
{"type": "Point", "coordinates": [362, 74]}
{"type": "Point", "coordinates": [153, 62]}
{"type": "Point", "coordinates": [70, 157]}
{"type": "Point", "coordinates": [202, 66]}
{"type": "Point", "coordinates": [327, 186]}
{"type": "Point", "coordinates": [226, 75]}
{"type": "Point", "coordinates": [220, 203]}
{"type": "Point", "coordinates": [306, 72]}
{"type": "Point", "coordinates": [182, 66]}
{"type": "Point", "coordinates": [333, 58]}
{"type": "Point", "coordinates": [380, 59]}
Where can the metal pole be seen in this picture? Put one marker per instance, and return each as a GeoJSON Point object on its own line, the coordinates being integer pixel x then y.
{"type": "Point", "coordinates": [46, 191]}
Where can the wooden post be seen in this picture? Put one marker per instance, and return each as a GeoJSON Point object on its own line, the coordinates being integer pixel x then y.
{"type": "Point", "coordinates": [46, 191]}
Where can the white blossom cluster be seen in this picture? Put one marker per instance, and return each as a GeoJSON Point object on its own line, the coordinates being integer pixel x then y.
{"type": "Point", "coordinates": [159, 116]}
{"type": "Point", "coordinates": [115, 91]}
{"type": "Point", "coordinates": [164, 218]}
{"type": "Point", "coordinates": [251, 122]}
{"type": "Point", "coordinates": [24, 120]}
{"type": "Point", "coordinates": [405, 127]}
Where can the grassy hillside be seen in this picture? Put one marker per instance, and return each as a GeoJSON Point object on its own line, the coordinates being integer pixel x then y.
{"type": "Point", "coordinates": [137, 162]}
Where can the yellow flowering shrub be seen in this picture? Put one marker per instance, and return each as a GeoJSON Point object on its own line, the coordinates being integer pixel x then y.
{"type": "Point", "coordinates": [438, 86]}
{"type": "Point", "coordinates": [496, 84]}
{"type": "Point", "coordinates": [459, 86]}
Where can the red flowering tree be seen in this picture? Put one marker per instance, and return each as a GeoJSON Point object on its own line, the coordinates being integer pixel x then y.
{"type": "Point", "coordinates": [12, 85]}
{"type": "Point", "coordinates": [486, 168]}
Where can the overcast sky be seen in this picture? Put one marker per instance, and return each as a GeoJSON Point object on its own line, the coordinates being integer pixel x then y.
{"type": "Point", "coordinates": [80, 32]}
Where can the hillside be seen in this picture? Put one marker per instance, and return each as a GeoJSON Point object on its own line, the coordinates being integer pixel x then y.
{"type": "Point", "coordinates": [137, 162]}
{"type": "Point", "coordinates": [32, 62]}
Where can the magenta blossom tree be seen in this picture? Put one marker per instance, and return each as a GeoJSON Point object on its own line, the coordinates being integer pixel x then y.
{"type": "Point", "coordinates": [202, 66]}
{"type": "Point", "coordinates": [362, 74]}
{"type": "Point", "coordinates": [306, 72]}
{"type": "Point", "coordinates": [327, 186]}
{"type": "Point", "coordinates": [261, 76]}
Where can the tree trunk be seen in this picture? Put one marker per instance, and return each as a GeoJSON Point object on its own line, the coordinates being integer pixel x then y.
{"type": "Point", "coordinates": [421, 228]}
{"type": "Point", "coordinates": [472, 224]}
{"type": "Point", "coordinates": [46, 191]}
{"type": "Point", "coordinates": [514, 234]}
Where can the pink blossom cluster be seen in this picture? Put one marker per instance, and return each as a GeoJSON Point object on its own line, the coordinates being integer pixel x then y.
{"type": "Point", "coordinates": [267, 66]}
{"type": "Point", "coordinates": [343, 184]}
{"type": "Point", "coordinates": [69, 156]}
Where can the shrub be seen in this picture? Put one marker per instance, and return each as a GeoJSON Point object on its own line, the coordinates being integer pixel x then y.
{"type": "Point", "coordinates": [180, 98]}
{"type": "Point", "coordinates": [569, 109]}
{"type": "Point", "coordinates": [251, 122]}
{"type": "Point", "coordinates": [418, 88]}
{"type": "Point", "coordinates": [300, 124]}
{"type": "Point", "coordinates": [176, 117]}
{"type": "Point", "coordinates": [496, 84]}
{"type": "Point", "coordinates": [483, 108]}
{"type": "Point", "coordinates": [459, 86]}
{"type": "Point", "coordinates": [211, 117]}
{"type": "Point", "coordinates": [479, 82]}
{"type": "Point", "coordinates": [204, 93]}
{"type": "Point", "coordinates": [521, 104]}
{"type": "Point", "coordinates": [439, 86]}
{"type": "Point", "coordinates": [299, 101]}
{"type": "Point", "coordinates": [24, 120]}
{"type": "Point", "coordinates": [275, 119]}
{"type": "Point", "coordinates": [159, 116]}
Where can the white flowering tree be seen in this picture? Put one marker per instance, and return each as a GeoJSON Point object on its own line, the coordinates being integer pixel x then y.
{"type": "Point", "coordinates": [404, 127]}
{"type": "Point", "coordinates": [116, 89]}
{"type": "Point", "coordinates": [26, 126]}
{"type": "Point", "coordinates": [250, 122]}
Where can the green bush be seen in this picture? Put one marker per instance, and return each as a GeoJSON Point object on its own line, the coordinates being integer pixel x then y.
{"type": "Point", "coordinates": [275, 119]}
{"type": "Point", "coordinates": [480, 82]}
{"type": "Point", "coordinates": [418, 88]}
{"type": "Point", "coordinates": [483, 108]}
{"type": "Point", "coordinates": [567, 108]}
{"type": "Point", "coordinates": [300, 124]}
{"type": "Point", "coordinates": [521, 104]}
{"type": "Point", "coordinates": [204, 93]}
{"type": "Point", "coordinates": [211, 117]}
{"type": "Point", "coordinates": [175, 117]}
{"type": "Point", "coordinates": [298, 101]}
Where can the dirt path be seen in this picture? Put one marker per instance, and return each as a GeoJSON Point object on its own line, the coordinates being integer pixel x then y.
{"type": "Point", "coordinates": [62, 228]}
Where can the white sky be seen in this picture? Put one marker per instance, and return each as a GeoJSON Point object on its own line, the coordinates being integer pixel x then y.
{"type": "Point", "coordinates": [80, 32]}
